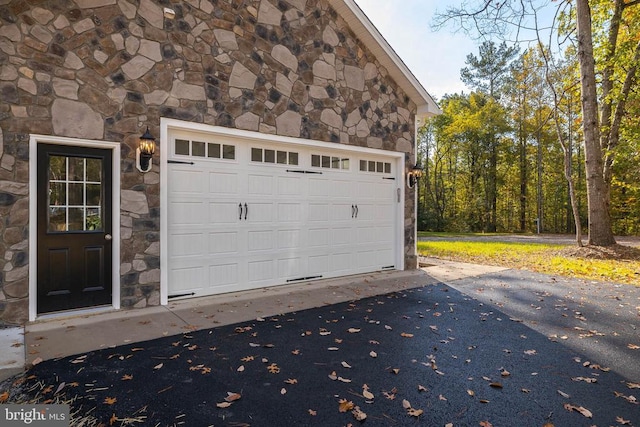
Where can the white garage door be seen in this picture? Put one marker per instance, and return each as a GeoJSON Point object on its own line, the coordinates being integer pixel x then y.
{"type": "Point", "coordinates": [245, 214]}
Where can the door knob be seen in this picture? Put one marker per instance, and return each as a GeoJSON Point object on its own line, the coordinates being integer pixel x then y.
{"type": "Point", "coordinates": [107, 237]}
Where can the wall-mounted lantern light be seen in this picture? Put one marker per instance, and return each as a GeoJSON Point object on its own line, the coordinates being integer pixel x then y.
{"type": "Point", "coordinates": [413, 175]}
{"type": "Point", "coordinates": [144, 152]}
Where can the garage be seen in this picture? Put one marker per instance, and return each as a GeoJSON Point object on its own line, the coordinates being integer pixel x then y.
{"type": "Point", "coordinates": [245, 210]}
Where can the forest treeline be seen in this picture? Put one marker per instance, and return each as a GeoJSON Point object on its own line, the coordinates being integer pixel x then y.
{"type": "Point", "coordinates": [498, 157]}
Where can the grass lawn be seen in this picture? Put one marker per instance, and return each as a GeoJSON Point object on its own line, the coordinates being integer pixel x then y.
{"type": "Point", "coordinates": [542, 258]}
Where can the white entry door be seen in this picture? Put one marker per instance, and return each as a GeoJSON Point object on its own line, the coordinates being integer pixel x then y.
{"type": "Point", "coordinates": [244, 214]}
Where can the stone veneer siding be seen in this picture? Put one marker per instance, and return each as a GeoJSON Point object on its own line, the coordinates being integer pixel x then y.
{"type": "Point", "coordinates": [105, 69]}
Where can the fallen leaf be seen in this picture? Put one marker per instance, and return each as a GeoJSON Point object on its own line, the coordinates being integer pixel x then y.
{"type": "Point", "coordinates": [415, 412]}
{"type": "Point", "coordinates": [344, 380]}
{"type": "Point", "coordinates": [495, 385]}
{"type": "Point", "coordinates": [366, 393]}
{"type": "Point", "coordinates": [232, 397]}
{"type": "Point", "coordinates": [223, 404]}
{"type": "Point", "coordinates": [345, 405]}
{"type": "Point", "coordinates": [158, 366]}
{"type": "Point", "coordinates": [373, 354]}
{"type": "Point", "coordinates": [4, 396]}
{"type": "Point", "coordinates": [421, 388]}
{"type": "Point", "coordinates": [113, 419]}
{"type": "Point", "coordinates": [505, 373]}
{"type": "Point", "coordinates": [273, 369]}
{"type": "Point", "coordinates": [406, 404]}
{"type": "Point", "coordinates": [110, 400]}
{"type": "Point", "coordinates": [127, 377]}
{"type": "Point", "coordinates": [585, 379]}
{"type": "Point", "coordinates": [247, 359]}
{"type": "Point", "coordinates": [353, 330]}
{"type": "Point", "coordinates": [332, 348]}
{"type": "Point", "coordinates": [240, 368]}
{"type": "Point", "coordinates": [563, 394]}
{"type": "Point", "coordinates": [346, 365]}
{"type": "Point", "coordinates": [36, 361]}
{"type": "Point", "coordinates": [633, 346]}
{"type": "Point", "coordinates": [358, 414]}
{"type": "Point", "coordinates": [283, 391]}
{"type": "Point", "coordinates": [584, 411]}
{"type": "Point", "coordinates": [530, 352]}
{"type": "Point", "coordinates": [291, 381]}
{"type": "Point", "coordinates": [406, 335]}
{"type": "Point", "coordinates": [395, 371]}
{"type": "Point", "coordinates": [333, 376]}
{"type": "Point", "coordinates": [312, 412]}
{"type": "Point", "coordinates": [485, 424]}
{"type": "Point", "coordinates": [441, 397]}
{"type": "Point", "coordinates": [622, 421]}
{"type": "Point", "coordinates": [633, 385]}
{"type": "Point", "coordinates": [295, 352]}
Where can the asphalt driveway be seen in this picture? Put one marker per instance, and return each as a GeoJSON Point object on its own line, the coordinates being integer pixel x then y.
{"type": "Point", "coordinates": [489, 350]}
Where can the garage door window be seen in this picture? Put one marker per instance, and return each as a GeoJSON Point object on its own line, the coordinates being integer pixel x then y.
{"type": "Point", "coordinates": [186, 147]}
{"type": "Point", "coordinates": [373, 166]}
{"type": "Point", "coordinates": [329, 162]}
{"type": "Point", "coordinates": [265, 155]}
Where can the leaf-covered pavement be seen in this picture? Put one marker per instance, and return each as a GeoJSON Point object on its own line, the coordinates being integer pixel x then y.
{"type": "Point", "coordinates": [429, 356]}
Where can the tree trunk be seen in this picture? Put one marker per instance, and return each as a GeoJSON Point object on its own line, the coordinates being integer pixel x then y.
{"type": "Point", "coordinates": [600, 231]}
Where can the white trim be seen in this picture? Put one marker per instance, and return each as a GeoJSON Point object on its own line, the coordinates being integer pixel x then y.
{"type": "Point", "coordinates": [34, 140]}
{"type": "Point", "coordinates": [167, 125]}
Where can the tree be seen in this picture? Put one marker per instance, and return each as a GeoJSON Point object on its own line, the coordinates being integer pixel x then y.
{"type": "Point", "coordinates": [487, 75]}
{"type": "Point", "coordinates": [601, 116]}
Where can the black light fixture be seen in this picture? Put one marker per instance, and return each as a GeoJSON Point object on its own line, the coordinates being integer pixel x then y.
{"type": "Point", "coordinates": [414, 174]}
{"type": "Point", "coordinates": [145, 150]}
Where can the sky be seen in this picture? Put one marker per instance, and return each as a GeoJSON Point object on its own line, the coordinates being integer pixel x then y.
{"type": "Point", "coordinates": [435, 58]}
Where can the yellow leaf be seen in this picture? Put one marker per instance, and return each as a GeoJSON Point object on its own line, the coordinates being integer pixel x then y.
{"type": "Point", "coordinates": [345, 405]}
{"type": "Point", "coordinates": [4, 396]}
{"type": "Point", "coordinates": [273, 368]}
{"type": "Point", "coordinates": [110, 400]}
{"type": "Point", "coordinates": [113, 419]}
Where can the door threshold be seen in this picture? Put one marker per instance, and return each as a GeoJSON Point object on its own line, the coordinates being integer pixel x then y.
{"type": "Point", "coordinates": [73, 313]}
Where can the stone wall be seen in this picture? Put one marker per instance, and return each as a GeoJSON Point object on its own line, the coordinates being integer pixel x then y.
{"type": "Point", "coordinates": [105, 69]}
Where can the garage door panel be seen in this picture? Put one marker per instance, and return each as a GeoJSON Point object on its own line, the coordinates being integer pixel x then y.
{"type": "Point", "coordinates": [318, 237]}
{"type": "Point", "coordinates": [342, 236]}
{"type": "Point", "coordinates": [290, 239]}
{"type": "Point", "coordinates": [289, 186]}
{"type": "Point", "coordinates": [223, 183]}
{"type": "Point", "coordinates": [223, 274]}
{"type": "Point", "coordinates": [223, 213]}
{"type": "Point", "coordinates": [187, 245]}
{"type": "Point", "coordinates": [291, 268]}
{"type": "Point", "coordinates": [341, 189]}
{"type": "Point", "coordinates": [188, 213]}
{"type": "Point", "coordinates": [318, 264]}
{"type": "Point", "coordinates": [289, 212]}
{"type": "Point", "coordinates": [341, 262]}
{"type": "Point", "coordinates": [188, 279]}
{"type": "Point", "coordinates": [223, 242]}
{"type": "Point", "coordinates": [260, 240]}
{"type": "Point", "coordinates": [319, 188]}
{"type": "Point", "coordinates": [260, 185]}
{"type": "Point", "coordinates": [261, 270]}
{"type": "Point", "coordinates": [187, 181]}
{"type": "Point", "coordinates": [319, 212]}
{"type": "Point", "coordinates": [342, 212]}
{"type": "Point", "coordinates": [260, 213]}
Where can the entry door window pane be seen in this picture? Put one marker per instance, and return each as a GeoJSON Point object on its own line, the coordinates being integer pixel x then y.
{"type": "Point", "coordinates": [75, 194]}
